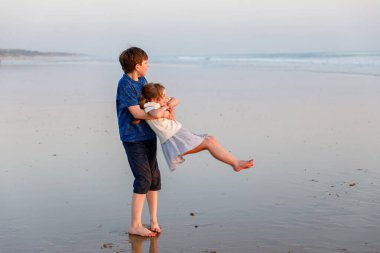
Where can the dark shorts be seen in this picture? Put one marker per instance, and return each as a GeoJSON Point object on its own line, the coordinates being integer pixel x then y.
{"type": "Point", "coordinates": [143, 162]}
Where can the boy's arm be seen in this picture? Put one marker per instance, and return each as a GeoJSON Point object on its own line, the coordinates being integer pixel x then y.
{"type": "Point", "coordinates": [161, 112]}
{"type": "Point", "coordinates": [139, 113]}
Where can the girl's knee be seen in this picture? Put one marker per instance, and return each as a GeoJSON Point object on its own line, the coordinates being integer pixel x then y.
{"type": "Point", "coordinates": [211, 140]}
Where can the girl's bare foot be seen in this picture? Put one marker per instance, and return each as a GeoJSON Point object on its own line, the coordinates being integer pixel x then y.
{"type": "Point", "coordinates": [243, 165]}
{"type": "Point", "coordinates": [141, 231]}
{"type": "Point", "coordinates": [155, 227]}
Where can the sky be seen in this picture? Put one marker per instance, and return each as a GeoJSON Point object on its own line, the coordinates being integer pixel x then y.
{"type": "Point", "coordinates": [197, 27]}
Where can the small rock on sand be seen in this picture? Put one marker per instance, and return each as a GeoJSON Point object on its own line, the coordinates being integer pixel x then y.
{"type": "Point", "coordinates": [106, 246]}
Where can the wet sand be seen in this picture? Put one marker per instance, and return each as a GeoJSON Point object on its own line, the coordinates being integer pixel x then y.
{"type": "Point", "coordinates": [65, 184]}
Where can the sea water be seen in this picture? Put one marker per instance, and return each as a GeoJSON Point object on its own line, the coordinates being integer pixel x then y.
{"type": "Point", "coordinates": [366, 63]}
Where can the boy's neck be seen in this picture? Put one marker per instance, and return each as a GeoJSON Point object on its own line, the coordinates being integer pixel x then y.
{"type": "Point", "coordinates": [133, 75]}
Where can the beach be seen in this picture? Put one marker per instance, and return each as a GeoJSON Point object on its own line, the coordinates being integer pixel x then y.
{"type": "Point", "coordinates": [65, 183]}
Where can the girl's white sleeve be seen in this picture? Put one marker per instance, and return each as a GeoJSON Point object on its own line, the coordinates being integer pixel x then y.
{"type": "Point", "coordinates": [151, 106]}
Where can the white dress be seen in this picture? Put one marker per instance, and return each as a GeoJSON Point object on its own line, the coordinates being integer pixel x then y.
{"type": "Point", "coordinates": [175, 140]}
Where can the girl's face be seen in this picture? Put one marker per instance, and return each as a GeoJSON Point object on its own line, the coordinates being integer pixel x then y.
{"type": "Point", "coordinates": [162, 100]}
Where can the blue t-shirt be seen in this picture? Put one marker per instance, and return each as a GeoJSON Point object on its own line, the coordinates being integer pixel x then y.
{"type": "Point", "coordinates": [128, 93]}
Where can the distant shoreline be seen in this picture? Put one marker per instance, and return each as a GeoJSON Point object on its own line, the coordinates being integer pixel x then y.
{"type": "Point", "coordinates": [22, 54]}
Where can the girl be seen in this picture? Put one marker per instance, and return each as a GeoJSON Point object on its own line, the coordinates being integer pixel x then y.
{"type": "Point", "coordinates": [177, 141]}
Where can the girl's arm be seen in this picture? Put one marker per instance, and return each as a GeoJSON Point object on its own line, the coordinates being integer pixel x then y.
{"type": "Point", "coordinates": [172, 103]}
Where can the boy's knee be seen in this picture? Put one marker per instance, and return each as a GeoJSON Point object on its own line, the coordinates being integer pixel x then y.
{"type": "Point", "coordinates": [142, 185]}
{"type": "Point", "coordinates": [155, 184]}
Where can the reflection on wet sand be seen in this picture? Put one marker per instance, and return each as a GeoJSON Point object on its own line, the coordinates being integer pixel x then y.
{"type": "Point", "coordinates": [137, 243]}
{"type": "Point", "coordinates": [65, 181]}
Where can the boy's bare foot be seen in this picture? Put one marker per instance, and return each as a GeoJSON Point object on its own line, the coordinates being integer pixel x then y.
{"type": "Point", "coordinates": [155, 227]}
{"type": "Point", "coordinates": [243, 165]}
{"type": "Point", "coordinates": [141, 231]}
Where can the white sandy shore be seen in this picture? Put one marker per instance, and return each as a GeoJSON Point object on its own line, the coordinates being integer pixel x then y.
{"type": "Point", "coordinates": [65, 183]}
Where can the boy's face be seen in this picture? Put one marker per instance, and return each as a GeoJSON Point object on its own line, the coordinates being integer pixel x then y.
{"type": "Point", "coordinates": [142, 68]}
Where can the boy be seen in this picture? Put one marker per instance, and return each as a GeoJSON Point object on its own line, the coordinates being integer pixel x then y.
{"type": "Point", "coordinates": [139, 141]}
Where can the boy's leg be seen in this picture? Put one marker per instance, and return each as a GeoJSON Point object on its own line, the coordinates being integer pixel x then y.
{"type": "Point", "coordinates": [139, 163]}
{"type": "Point", "coordinates": [152, 195]}
{"type": "Point", "coordinates": [221, 154]}
{"type": "Point", "coordinates": [137, 227]}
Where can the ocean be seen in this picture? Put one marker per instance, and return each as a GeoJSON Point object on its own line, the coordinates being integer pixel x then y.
{"type": "Point", "coordinates": [366, 63]}
{"type": "Point", "coordinates": [363, 63]}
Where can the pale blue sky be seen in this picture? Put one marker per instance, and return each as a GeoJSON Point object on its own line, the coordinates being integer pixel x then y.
{"type": "Point", "coordinates": [196, 27]}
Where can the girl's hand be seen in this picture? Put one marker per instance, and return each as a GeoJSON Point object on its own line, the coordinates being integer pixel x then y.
{"type": "Point", "coordinates": [173, 102]}
{"type": "Point", "coordinates": [171, 113]}
{"type": "Point", "coordinates": [166, 112]}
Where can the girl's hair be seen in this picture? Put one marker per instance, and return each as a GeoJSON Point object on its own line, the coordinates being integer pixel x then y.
{"type": "Point", "coordinates": [149, 91]}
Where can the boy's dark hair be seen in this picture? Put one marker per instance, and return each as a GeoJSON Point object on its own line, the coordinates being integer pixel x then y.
{"type": "Point", "coordinates": [131, 57]}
